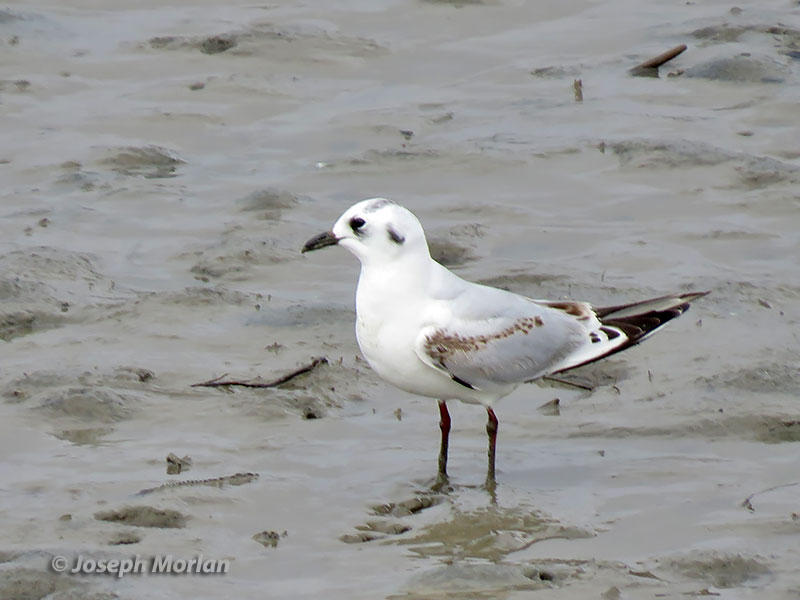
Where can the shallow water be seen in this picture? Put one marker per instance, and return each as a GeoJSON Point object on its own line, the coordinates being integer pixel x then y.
{"type": "Point", "coordinates": [163, 164]}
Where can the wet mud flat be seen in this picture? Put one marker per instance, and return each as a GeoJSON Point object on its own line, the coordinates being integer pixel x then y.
{"type": "Point", "coordinates": [164, 164]}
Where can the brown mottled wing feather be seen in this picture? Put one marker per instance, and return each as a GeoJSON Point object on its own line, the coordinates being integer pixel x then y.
{"type": "Point", "coordinates": [495, 352]}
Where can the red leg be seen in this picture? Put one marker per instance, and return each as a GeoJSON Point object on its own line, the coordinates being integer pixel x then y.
{"type": "Point", "coordinates": [444, 425]}
{"type": "Point", "coordinates": [491, 430]}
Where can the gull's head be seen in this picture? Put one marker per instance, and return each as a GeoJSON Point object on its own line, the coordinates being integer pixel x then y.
{"type": "Point", "coordinates": [376, 231]}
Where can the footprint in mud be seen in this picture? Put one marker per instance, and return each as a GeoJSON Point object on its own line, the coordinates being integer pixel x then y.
{"type": "Point", "coordinates": [382, 528]}
{"type": "Point", "coordinates": [718, 569]}
{"type": "Point", "coordinates": [83, 407]}
{"type": "Point", "coordinates": [269, 203]}
{"type": "Point", "coordinates": [144, 516]}
{"type": "Point", "coordinates": [124, 538]}
{"type": "Point", "coordinates": [406, 507]}
{"type": "Point", "coordinates": [83, 436]}
{"type": "Point", "coordinates": [150, 162]}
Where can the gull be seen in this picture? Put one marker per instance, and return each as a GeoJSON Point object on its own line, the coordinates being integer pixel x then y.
{"type": "Point", "coordinates": [429, 332]}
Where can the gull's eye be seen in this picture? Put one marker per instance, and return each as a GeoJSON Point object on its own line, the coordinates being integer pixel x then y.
{"type": "Point", "coordinates": [357, 223]}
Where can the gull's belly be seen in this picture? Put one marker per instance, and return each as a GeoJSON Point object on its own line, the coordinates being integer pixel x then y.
{"type": "Point", "coordinates": [388, 346]}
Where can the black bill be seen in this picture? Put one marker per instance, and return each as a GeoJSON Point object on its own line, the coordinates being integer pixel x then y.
{"type": "Point", "coordinates": [320, 241]}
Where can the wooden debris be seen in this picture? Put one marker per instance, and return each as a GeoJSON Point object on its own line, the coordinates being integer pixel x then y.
{"type": "Point", "coordinates": [222, 382]}
{"type": "Point", "coordinates": [577, 88]}
{"type": "Point", "coordinates": [649, 68]}
{"type": "Point", "coordinates": [748, 502]}
{"type": "Point", "coordinates": [176, 465]}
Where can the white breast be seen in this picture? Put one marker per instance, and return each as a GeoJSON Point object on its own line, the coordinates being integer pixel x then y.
{"type": "Point", "coordinates": [388, 323]}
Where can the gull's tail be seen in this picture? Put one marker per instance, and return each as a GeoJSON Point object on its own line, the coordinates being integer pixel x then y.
{"type": "Point", "coordinates": [638, 320]}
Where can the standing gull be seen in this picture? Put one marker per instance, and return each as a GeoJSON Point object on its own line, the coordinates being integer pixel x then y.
{"type": "Point", "coordinates": [429, 332]}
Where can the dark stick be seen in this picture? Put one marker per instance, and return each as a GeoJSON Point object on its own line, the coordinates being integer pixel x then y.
{"type": "Point", "coordinates": [748, 504]}
{"type": "Point", "coordinates": [659, 60]}
{"type": "Point", "coordinates": [210, 381]}
{"type": "Point", "coordinates": [217, 381]}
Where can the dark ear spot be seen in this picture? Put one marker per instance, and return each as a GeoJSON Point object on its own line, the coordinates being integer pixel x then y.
{"type": "Point", "coordinates": [394, 236]}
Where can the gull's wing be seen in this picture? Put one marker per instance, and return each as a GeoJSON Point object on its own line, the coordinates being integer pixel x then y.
{"type": "Point", "coordinates": [530, 339]}
{"type": "Point", "coordinates": [489, 343]}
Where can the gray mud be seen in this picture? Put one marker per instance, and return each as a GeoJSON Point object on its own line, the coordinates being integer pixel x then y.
{"type": "Point", "coordinates": [163, 165]}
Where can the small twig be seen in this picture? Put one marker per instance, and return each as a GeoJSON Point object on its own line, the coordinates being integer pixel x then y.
{"type": "Point", "coordinates": [581, 386]}
{"type": "Point", "coordinates": [210, 381]}
{"type": "Point", "coordinates": [217, 381]}
{"type": "Point", "coordinates": [648, 66]}
{"type": "Point", "coordinates": [747, 502]}
{"type": "Point", "coordinates": [577, 88]}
